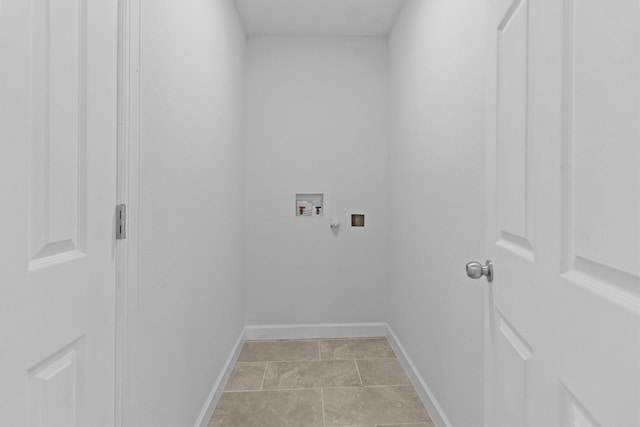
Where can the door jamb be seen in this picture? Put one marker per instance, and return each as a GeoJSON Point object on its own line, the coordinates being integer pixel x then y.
{"type": "Point", "coordinates": [127, 266]}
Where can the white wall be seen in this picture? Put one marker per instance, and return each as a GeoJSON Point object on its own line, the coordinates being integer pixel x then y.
{"type": "Point", "coordinates": [317, 113]}
{"type": "Point", "coordinates": [191, 222]}
{"type": "Point", "coordinates": [436, 52]}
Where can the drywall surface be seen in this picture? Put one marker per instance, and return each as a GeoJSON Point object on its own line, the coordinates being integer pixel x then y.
{"type": "Point", "coordinates": [191, 196]}
{"type": "Point", "coordinates": [317, 122]}
{"type": "Point", "coordinates": [437, 115]}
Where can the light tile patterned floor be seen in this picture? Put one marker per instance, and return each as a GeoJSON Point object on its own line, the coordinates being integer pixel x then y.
{"type": "Point", "coordinates": [354, 382]}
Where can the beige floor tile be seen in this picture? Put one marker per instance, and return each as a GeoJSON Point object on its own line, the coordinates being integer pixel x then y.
{"type": "Point", "coordinates": [382, 372]}
{"type": "Point", "coordinates": [284, 408]}
{"type": "Point", "coordinates": [355, 349]}
{"type": "Point", "coordinates": [373, 405]}
{"type": "Point", "coordinates": [311, 374]}
{"type": "Point", "coordinates": [246, 376]}
{"type": "Point", "coordinates": [429, 424]}
{"type": "Point", "coordinates": [271, 351]}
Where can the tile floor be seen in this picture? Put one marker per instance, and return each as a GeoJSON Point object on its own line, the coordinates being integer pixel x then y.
{"type": "Point", "coordinates": [319, 383]}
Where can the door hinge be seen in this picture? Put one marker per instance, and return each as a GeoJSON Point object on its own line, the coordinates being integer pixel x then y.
{"type": "Point", "coordinates": [121, 221]}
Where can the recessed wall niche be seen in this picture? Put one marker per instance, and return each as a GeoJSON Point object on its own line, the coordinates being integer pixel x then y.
{"type": "Point", "coordinates": [309, 204]}
{"type": "Point", "coordinates": [357, 220]}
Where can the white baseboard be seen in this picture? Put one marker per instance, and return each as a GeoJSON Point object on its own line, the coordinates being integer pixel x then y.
{"type": "Point", "coordinates": [312, 331]}
{"type": "Point", "coordinates": [438, 416]}
{"type": "Point", "coordinates": [218, 386]}
{"type": "Point", "coordinates": [328, 330]}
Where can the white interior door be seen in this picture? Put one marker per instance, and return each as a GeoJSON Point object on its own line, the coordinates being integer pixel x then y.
{"type": "Point", "coordinates": [563, 213]}
{"type": "Point", "coordinates": [58, 89]}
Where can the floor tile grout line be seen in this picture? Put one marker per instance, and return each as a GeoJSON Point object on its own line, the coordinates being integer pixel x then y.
{"type": "Point", "coordinates": [324, 421]}
{"type": "Point", "coordinates": [282, 341]}
{"type": "Point", "coordinates": [387, 385]}
{"type": "Point", "coordinates": [318, 339]}
{"type": "Point", "coordinates": [275, 389]}
{"type": "Point", "coordinates": [387, 425]}
{"type": "Point", "coordinates": [374, 358]}
{"type": "Point", "coordinates": [264, 375]}
{"type": "Point", "coordinates": [316, 360]}
{"type": "Point", "coordinates": [365, 358]}
{"type": "Point", "coordinates": [358, 371]}
{"type": "Point", "coordinates": [378, 386]}
{"type": "Point", "coordinates": [319, 351]}
{"type": "Point", "coordinates": [256, 362]}
{"type": "Point", "coordinates": [317, 388]}
{"type": "Point", "coordinates": [401, 424]}
{"type": "Point", "coordinates": [284, 361]}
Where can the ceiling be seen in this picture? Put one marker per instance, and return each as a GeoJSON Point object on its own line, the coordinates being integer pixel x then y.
{"type": "Point", "coordinates": [319, 17]}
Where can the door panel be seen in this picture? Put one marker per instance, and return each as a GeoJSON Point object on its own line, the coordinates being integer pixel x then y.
{"type": "Point", "coordinates": [602, 148]}
{"type": "Point", "coordinates": [53, 388]}
{"type": "Point", "coordinates": [57, 164]}
{"type": "Point", "coordinates": [563, 213]}
{"type": "Point", "coordinates": [513, 354]}
{"type": "Point", "coordinates": [512, 141]}
{"type": "Point", "coordinates": [58, 87]}
{"type": "Point", "coordinates": [601, 270]}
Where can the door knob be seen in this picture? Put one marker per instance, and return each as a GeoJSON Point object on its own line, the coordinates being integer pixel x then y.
{"type": "Point", "coordinates": [475, 270]}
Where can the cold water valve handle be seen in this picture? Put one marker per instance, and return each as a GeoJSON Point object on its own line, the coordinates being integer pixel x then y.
{"type": "Point", "coordinates": [475, 270]}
